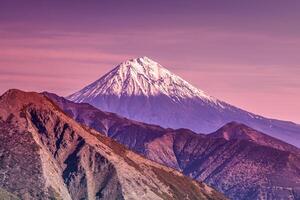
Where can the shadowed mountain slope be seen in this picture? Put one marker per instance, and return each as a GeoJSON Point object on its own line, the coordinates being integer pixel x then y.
{"type": "Point", "coordinates": [239, 161]}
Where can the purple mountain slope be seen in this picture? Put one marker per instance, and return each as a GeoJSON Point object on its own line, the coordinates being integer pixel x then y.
{"type": "Point", "coordinates": [237, 160]}
{"type": "Point", "coordinates": [143, 90]}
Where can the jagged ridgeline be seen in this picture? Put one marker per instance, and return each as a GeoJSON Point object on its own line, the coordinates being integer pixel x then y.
{"type": "Point", "coordinates": [44, 154]}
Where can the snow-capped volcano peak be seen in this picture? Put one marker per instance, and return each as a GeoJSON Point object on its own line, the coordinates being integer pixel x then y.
{"type": "Point", "coordinates": [141, 77]}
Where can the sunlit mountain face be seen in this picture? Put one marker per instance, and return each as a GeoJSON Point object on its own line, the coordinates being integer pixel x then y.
{"type": "Point", "coordinates": [47, 155]}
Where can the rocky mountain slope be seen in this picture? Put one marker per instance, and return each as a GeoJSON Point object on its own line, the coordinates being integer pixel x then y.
{"type": "Point", "coordinates": [143, 90]}
{"type": "Point", "coordinates": [239, 161]}
{"type": "Point", "coordinates": [44, 154]}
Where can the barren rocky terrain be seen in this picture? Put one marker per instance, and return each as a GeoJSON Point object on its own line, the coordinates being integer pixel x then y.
{"type": "Point", "coordinates": [45, 154]}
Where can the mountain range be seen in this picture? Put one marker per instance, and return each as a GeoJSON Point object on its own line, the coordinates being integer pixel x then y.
{"type": "Point", "coordinates": [237, 160]}
{"type": "Point", "coordinates": [142, 132]}
{"type": "Point", "coordinates": [143, 90]}
{"type": "Point", "coordinates": [45, 154]}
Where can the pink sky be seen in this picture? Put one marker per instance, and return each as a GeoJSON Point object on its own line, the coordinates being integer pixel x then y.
{"type": "Point", "coordinates": [244, 54]}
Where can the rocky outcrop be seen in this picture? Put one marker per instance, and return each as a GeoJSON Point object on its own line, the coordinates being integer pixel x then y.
{"type": "Point", "coordinates": [45, 154]}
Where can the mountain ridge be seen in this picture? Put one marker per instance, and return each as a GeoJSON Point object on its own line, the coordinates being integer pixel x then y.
{"type": "Point", "coordinates": [238, 130]}
{"type": "Point", "coordinates": [242, 168]}
{"type": "Point", "coordinates": [47, 155]}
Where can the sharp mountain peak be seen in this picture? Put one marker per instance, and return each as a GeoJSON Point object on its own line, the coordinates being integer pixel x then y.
{"type": "Point", "coordinates": [141, 77]}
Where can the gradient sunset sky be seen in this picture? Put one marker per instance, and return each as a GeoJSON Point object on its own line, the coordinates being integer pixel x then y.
{"type": "Point", "coordinates": [246, 53]}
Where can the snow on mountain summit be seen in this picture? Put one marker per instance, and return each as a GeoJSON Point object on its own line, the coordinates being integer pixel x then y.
{"type": "Point", "coordinates": [141, 76]}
